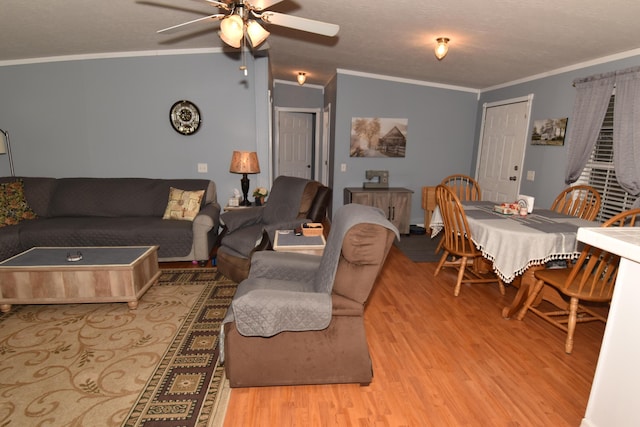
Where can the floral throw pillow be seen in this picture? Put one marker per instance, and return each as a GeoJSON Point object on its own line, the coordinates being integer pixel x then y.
{"type": "Point", "coordinates": [183, 205]}
{"type": "Point", "coordinates": [13, 205]}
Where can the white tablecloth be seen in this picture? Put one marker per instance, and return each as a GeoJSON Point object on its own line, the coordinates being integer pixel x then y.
{"type": "Point", "coordinates": [515, 243]}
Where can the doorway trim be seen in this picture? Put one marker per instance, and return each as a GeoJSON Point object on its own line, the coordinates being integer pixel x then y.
{"type": "Point", "coordinates": [318, 148]}
{"type": "Point", "coordinates": [326, 132]}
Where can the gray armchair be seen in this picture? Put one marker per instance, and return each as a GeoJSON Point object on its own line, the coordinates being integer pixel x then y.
{"type": "Point", "coordinates": [298, 319]}
{"type": "Point", "coordinates": [245, 231]}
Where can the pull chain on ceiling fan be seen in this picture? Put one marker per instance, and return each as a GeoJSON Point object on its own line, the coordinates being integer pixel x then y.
{"type": "Point", "coordinates": [240, 23]}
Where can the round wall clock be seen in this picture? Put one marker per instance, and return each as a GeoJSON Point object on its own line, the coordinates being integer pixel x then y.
{"type": "Point", "coordinates": [185, 117]}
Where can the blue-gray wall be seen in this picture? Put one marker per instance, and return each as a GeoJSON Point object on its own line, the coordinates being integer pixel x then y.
{"type": "Point", "coordinates": [553, 97]}
{"type": "Point", "coordinates": [292, 95]}
{"type": "Point", "coordinates": [440, 133]}
{"type": "Point", "coordinates": [110, 117]}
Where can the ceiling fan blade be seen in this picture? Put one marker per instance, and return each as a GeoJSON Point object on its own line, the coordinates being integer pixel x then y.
{"type": "Point", "coordinates": [260, 5]}
{"type": "Point", "coordinates": [302, 24]}
{"type": "Point", "coordinates": [219, 4]}
{"type": "Point", "coordinates": [216, 17]}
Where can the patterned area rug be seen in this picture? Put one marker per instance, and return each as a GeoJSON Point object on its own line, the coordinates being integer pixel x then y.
{"type": "Point", "coordinates": [106, 365]}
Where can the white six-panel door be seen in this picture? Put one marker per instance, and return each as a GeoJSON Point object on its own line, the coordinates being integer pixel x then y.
{"type": "Point", "coordinates": [296, 145]}
{"type": "Point", "coordinates": [503, 141]}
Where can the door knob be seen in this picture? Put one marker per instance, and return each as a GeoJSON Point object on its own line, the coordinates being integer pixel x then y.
{"type": "Point", "coordinates": [512, 178]}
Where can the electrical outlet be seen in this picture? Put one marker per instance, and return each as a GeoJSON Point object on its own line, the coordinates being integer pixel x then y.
{"type": "Point", "coordinates": [531, 175]}
{"type": "Point", "coordinates": [203, 168]}
{"type": "Point", "coordinates": [343, 167]}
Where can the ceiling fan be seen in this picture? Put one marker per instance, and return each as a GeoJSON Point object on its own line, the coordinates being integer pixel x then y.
{"type": "Point", "coordinates": [240, 22]}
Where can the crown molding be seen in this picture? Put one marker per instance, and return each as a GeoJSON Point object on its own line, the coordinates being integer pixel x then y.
{"type": "Point", "coordinates": [83, 57]}
{"type": "Point", "coordinates": [574, 67]}
{"type": "Point", "coordinates": [403, 80]}
{"type": "Point", "coordinates": [287, 82]}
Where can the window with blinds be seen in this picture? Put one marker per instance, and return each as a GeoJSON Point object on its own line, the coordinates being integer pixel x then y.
{"type": "Point", "coordinates": [601, 175]}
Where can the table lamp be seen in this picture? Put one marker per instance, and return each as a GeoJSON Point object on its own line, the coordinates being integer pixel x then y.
{"type": "Point", "coordinates": [244, 162]}
{"type": "Point", "coordinates": [5, 148]}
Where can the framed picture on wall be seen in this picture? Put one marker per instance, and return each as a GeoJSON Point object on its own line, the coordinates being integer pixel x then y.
{"type": "Point", "coordinates": [549, 131]}
{"type": "Point", "coordinates": [378, 137]}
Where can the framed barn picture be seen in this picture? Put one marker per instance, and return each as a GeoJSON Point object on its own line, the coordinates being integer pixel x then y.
{"type": "Point", "coordinates": [549, 131]}
{"type": "Point", "coordinates": [378, 137]}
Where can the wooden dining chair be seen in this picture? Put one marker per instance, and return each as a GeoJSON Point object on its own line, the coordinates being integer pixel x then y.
{"type": "Point", "coordinates": [465, 188]}
{"type": "Point", "coordinates": [582, 201]}
{"type": "Point", "coordinates": [624, 219]}
{"type": "Point", "coordinates": [591, 278]}
{"type": "Point", "coordinates": [457, 242]}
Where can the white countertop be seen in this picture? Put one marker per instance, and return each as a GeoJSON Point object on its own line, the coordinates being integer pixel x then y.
{"type": "Point", "coordinates": [623, 241]}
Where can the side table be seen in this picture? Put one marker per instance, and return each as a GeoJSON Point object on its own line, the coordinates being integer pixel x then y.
{"type": "Point", "coordinates": [235, 208]}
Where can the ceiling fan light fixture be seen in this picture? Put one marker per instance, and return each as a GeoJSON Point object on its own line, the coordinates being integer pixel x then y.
{"type": "Point", "coordinates": [256, 33]}
{"type": "Point", "coordinates": [442, 47]}
{"type": "Point", "coordinates": [232, 30]}
{"type": "Point", "coordinates": [302, 77]}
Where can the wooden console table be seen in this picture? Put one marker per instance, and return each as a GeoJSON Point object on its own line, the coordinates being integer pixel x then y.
{"type": "Point", "coordinates": [395, 202]}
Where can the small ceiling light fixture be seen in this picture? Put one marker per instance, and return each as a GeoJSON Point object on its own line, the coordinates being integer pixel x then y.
{"type": "Point", "coordinates": [442, 48]}
{"type": "Point", "coordinates": [302, 77]}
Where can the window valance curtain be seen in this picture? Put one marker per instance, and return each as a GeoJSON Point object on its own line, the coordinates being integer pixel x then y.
{"type": "Point", "coordinates": [592, 99]}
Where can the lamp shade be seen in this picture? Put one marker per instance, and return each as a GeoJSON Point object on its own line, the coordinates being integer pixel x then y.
{"type": "Point", "coordinates": [232, 30]}
{"type": "Point", "coordinates": [256, 33]}
{"type": "Point", "coordinates": [302, 77]}
{"type": "Point", "coordinates": [244, 162]}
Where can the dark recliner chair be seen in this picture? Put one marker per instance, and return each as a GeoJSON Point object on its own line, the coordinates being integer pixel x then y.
{"type": "Point", "coordinates": [298, 318]}
{"type": "Point", "coordinates": [291, 202]}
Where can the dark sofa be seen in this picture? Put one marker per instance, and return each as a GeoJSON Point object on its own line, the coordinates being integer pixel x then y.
{"type": "Point", "coordinates": [112, 212]}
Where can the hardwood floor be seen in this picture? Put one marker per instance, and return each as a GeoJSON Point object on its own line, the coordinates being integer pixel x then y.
{"type": "Point", "coordinates": [441, 360]}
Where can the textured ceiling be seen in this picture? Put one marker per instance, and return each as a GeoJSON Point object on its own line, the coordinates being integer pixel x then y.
{"type": "Point", "coordinates": [492, 41]}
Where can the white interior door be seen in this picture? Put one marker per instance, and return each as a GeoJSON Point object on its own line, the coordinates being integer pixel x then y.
{"type": "Point", "coordinates": [503, 141]}
{"type": "Point", "coordinates": [296, 132]}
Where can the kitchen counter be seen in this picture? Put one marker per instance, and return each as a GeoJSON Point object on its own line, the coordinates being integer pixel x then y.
{"type": "Point", "coordinates": [623, 241]}
{"type": "Point", "coordinates": [615, 393]}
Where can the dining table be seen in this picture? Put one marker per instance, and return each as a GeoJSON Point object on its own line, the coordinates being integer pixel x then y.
{"type": "Point", "coordinates": [518, 245]}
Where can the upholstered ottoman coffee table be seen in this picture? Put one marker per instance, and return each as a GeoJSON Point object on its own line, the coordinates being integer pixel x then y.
{"type": "Point", "coordinates": [78, 275]}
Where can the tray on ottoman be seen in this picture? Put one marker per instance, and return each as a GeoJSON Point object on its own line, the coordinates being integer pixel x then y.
{"type": "Point", "coordinates": [78, 275]}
